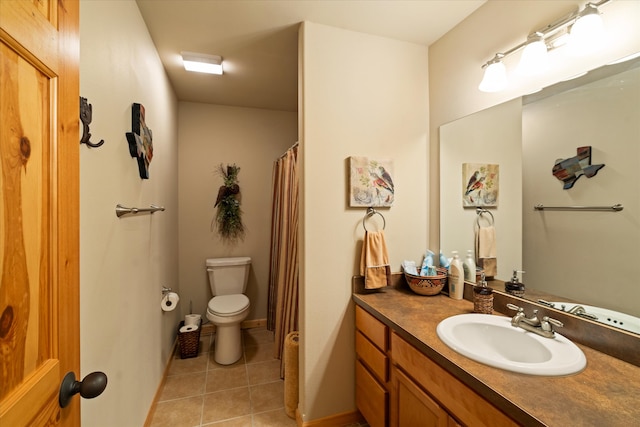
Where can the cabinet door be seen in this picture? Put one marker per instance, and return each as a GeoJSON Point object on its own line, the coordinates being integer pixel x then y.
{"type": "Point", "coordinates": [371, 398]}
{"type": "Point", "coordinates": [413, 407]}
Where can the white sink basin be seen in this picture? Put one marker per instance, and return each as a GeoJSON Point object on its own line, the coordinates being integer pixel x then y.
{"type": "Point", "coordinates": [493, 341]}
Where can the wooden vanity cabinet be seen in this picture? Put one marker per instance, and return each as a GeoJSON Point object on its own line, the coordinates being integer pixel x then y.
{"type": "Point", "coordinates": [422, 390]}
{"type": "Point", "coordinates": [372, 369]}
{"type": "Point", "coordinates": [398, 386]}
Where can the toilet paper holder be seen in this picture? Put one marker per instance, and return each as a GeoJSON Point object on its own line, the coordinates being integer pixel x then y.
{"type": "Point", "coordinates": [165, 290]}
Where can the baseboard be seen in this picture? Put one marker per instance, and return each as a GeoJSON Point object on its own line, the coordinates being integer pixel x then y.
{"type": "Point", "coordinates": [254, 323]}
{"type": "Point", "coordinates": [154, 403]}
{"type": "Point", "coordinates": [210, 328]}
{"type": "Point", "coordinates": [337, 420]}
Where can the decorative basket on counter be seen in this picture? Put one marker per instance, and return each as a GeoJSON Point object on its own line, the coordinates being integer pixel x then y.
{"type": "Point", "coordinates": [427, 285]}
{"type": "Point", "coordinates": [189, 341]}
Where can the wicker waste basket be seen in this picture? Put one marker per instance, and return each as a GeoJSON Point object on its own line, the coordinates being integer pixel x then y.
{"type": "Point", "coordinates": [189, 341]}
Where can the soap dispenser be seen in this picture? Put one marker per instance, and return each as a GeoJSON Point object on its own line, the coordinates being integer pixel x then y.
{"type": "Point", "coordinates": [482, 297]}
{"type": "Point", "coordinates": [469, 267]}
{"type": "Point", "coordinates": [515, 287]}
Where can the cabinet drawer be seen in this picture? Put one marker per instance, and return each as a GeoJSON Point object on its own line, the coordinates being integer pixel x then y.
{"type": "Point", "coordinates": [376, 360]}
{"type": "Point", "coordinates": [372, 328]}
{"type": "Point", "coordinates": [458, 399]}
{"type": "Point", "coordinates": [371, 398]}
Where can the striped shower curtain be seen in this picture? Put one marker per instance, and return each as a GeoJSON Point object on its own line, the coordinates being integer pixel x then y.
{"type": "Point", "coordinates": [282, 316]}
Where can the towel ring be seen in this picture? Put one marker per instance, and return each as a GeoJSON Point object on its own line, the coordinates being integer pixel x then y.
{"type": "Point", "coordinates": [480, 212]}
{"type": "Point", "coordinates": [370, 213]}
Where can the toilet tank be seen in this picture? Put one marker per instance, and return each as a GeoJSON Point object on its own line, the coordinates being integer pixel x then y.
{"type": "Point", "coordinates": [228, 276]}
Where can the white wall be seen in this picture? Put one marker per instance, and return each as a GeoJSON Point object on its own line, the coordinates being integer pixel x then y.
{"type": "Point", "coordinates": [455, 61]}
{"type": "Point", "coordinates": [125, 262]}
{"type": "Point", "coordinates": [604, 115]}
{"type": "Point", "coordinates": [491, 136]}
{"type": "Point", "coordinates": [252, 139]}
{"type": "Point", "coordinates": [361, 95]}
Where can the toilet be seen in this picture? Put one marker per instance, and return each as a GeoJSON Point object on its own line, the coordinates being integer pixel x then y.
{"type": "Point", "coordinates": [229, 306]}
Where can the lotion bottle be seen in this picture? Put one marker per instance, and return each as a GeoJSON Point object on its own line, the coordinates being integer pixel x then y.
{"type": "Point", "coordinates": [469, 267]}
{"type": "Point", "coordinates": [456, 277]}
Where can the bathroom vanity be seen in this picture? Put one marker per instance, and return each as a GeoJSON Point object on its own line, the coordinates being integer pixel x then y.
{"type": "Point", "coordinates": [405, 375]}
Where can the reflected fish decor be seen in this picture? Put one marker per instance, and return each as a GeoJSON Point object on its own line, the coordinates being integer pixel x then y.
{"type": "Point", "coordinates": [569, 170]}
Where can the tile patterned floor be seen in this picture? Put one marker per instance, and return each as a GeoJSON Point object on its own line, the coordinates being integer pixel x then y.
{"type": "Point", "coordinates": [199, 392]}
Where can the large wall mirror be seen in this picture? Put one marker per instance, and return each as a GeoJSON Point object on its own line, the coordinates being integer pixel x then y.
{"type": "Point", "coordinates": [572, 256]}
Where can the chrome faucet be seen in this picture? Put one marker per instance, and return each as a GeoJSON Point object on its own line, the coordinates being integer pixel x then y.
{"type": "Point", "coordinates": [580, 311]}
{"type": "Point", "coordinates": [533, 324]}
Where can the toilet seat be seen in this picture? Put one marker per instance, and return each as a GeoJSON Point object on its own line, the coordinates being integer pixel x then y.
{"type": "Point", "coordinates": [228, 305]}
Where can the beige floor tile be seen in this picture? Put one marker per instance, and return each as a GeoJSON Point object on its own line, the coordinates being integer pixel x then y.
{"type": "Point", "coordinates": [215, 365]}
{"type": "Point", "coordinates": [227, 404]}
{"type": "Point", "coordinates": [226, 378]}
{"type": "Point", "coordinates": [259, 353]}
{"type": "Point", "coordinates": [179, 386]}
{"type": "Point", "coordinates": [236, 422]}
{"type": "Point", "coordinates": [189, 366]}
{"type": "Point", "coordinates": [264, 372]}
{"type": "Point", "coordinates": [266, 397]}
{"type": "Point", "coordinates": [178, 413]}
{"type": "Point", "coordinates": [255, 336]}
{"type": "Point", "coordinates": [225, 396]}
{"type": "Point", "coordinates": [276, 418]}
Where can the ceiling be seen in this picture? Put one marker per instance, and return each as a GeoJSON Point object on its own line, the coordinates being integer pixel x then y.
{"type": "Point", "coordinates": [258, 40]}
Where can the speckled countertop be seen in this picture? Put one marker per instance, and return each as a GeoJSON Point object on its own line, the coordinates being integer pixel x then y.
{"type": "Point", "coordinates": [605, 393]}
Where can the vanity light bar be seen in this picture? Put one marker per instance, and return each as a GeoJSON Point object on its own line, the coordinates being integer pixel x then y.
{"type": "Point", "coordinates": [536, 46]}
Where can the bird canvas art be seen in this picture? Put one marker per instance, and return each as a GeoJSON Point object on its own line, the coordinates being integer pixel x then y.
{"type": "Point", "coordinates": [371, 182]}
{"type": "Point", "coordinates": [479, 184]}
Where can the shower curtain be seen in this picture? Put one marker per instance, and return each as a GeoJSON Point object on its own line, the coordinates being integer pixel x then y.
{"type": "Point", "coordinates": [282, 316]}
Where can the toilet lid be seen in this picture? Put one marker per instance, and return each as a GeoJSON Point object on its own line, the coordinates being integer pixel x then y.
{"type": "Point", "coordinates": [228, 305]}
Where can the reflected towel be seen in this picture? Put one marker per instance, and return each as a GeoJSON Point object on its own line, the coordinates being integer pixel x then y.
{"type": "Point", "coordinates": [486, 251]}
{"type": "Point", "coordinates": [374, 262]}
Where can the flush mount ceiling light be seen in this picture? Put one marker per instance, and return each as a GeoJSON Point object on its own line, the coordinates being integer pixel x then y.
{"type": "Point", "coordinates": [584, 28]}
{"type": "Point", "coordinates": [202, 63]}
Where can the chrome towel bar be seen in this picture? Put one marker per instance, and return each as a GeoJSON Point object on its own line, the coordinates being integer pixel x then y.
{"type": "Point", "coordinates": [121, 210]}
{"type": "Point", "coordinates": [615, 208]}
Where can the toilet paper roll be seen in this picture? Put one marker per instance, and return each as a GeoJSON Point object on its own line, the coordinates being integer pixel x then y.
{"type": "Point", "coordinates": [192, 319]}
{"type": "Point", "coordinates": [169, 301]}
{"type": "Point", "coordinates": [188, 328]}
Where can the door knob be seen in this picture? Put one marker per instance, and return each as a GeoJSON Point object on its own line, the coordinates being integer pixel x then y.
{"type": "Point", "coordinates": [91, 386]}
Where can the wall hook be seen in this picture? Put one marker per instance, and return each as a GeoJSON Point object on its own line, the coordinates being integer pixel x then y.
{"type": "Point", "coordinates": [85, 118]}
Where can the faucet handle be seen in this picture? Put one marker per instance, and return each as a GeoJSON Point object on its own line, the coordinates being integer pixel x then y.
{"type": "Point", "coordinates": [515, 307]}
{"type": "Point", "coordinates": [547, 323]}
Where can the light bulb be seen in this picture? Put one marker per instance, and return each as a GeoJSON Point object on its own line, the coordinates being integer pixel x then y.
{"type": "Point", "coordinates": [535, 58]}
{"type": "Point", "coordinates": [587, 33]}
{"type": "Point", "coordinates": [495, 77]}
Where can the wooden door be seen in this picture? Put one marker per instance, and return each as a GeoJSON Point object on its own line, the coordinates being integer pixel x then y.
{"type": "Point", "coordinates": [39, 209]}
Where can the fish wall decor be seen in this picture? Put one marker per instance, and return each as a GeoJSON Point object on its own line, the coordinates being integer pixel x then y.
{"type": "Point", "coordinates": [569, 170]}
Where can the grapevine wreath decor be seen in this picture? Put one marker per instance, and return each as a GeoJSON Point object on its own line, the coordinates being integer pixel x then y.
{"type": "Point", "coordinates": [228, 218]}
